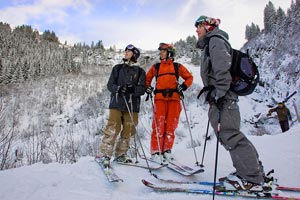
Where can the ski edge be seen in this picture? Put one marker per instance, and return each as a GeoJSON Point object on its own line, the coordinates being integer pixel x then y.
{"type": "Point", "coordinates": [287, 188]}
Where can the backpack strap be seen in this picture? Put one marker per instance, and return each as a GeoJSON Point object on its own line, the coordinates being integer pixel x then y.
{"type": "Point", "coordinates": [156, 66]}
{"type": "Point", "coordinates": [176, 68]}
{"type": "Point", "coordinates": [207, 48]}
{"type": "Point", "coordinates": [218, 36]}
{"type": "Point", "coordinates": [166, 92]}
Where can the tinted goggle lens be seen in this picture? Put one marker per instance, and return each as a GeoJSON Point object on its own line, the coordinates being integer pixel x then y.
{"type": "Point", "coordinates": [129, 47]}
{"type": "Point", "coordinates": [163, 46]}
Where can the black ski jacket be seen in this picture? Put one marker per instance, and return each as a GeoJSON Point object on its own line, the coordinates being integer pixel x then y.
{"type": "Point", "coordinates": [123, 75]}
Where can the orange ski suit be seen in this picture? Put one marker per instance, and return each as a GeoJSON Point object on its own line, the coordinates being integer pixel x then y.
{"type": "Point", "coordinates": [167, 107]}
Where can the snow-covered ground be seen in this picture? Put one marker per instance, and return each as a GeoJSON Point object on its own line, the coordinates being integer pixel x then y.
{"type": "Point", "coordinates": [84, 180]}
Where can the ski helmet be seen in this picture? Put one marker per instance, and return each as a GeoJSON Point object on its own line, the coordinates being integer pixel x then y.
{"type": "Point", "coordinates": [135, 51]}
{"type": "Point", "coordinates": [208, 22]}
{"type": "Point", "coordinates": [169, 48]}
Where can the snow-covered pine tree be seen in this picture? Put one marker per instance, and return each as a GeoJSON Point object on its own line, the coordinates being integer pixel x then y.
{"type": "Point", "coordinates": [269, 17]}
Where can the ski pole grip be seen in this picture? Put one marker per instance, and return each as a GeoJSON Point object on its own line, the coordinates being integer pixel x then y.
{"type": "Point", "coordinates": [181, 95]}
{"type": "Point", "coordinates": [147, 98]}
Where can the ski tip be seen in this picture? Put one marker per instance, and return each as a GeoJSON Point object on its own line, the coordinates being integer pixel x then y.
{"type": "Point", "coordinates": [147, 183]}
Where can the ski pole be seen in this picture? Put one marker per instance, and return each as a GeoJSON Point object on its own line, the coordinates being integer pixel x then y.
{"type": "Point", "coordinates": [137, 136]}
{"type": "Point", "coordinates": [190, 131]}
{"type": "Point", "coordinates": [156, 129]}
{"type": "Point", "coordinates": [217, 150]}
{"type": "Point", "coordinates": [134, 138]}
{"type": "Point", "coordinates": [201, 165]}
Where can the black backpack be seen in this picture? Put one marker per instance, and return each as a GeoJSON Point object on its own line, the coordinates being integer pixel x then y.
{"type": "Point", "coordinates": [244, 71]}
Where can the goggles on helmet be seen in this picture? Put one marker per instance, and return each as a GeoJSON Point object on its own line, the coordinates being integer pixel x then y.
{"type": "Point", "coordinates": [202, 19]}
{"type": "Point", "coordinates": [129, 47]}
{"type": "Point", "coordinates": [164, 46]}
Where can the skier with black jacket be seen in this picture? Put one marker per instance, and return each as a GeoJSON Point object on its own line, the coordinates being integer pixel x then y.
{"type": "Point", "coordinates": [127, 85]}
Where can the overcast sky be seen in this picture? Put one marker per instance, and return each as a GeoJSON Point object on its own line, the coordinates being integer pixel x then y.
{"type": "Point", "coordinates": [144, 23]}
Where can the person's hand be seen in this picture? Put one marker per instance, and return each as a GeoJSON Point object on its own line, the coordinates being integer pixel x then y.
{"type": "Point", "coordinates": [181, 87]}
{"type": "Point", "coordinates": [149, 90]}
{"type": "Point", "coordinates": [130, 89]}
{"type": "Point", "coordinates": [219, 102]}
{"type": "Point", "coordinates": [121, 90]}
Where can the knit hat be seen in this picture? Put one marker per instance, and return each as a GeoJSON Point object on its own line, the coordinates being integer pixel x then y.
{"type": "Point", "coordinates": [208, 22]}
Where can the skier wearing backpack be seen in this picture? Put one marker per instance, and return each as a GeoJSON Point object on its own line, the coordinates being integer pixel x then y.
{"type": "Point", "coordinates": [283, 114]}
{"type": "Point", "coordinates": [126, 83]}
{"type": "Point", "coordinates": [167, 101]}
{"type": "Point", "coordinates": [215, 73]}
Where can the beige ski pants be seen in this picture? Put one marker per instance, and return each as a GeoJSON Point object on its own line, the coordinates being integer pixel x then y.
{"type": "Point", "coordinates": [119, 122]}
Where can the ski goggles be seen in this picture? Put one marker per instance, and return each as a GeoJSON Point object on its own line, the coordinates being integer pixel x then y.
{"type": "Point", "coordinates": [129, 47]}
{"type": "Point", "coordinates": [201, 20]}
{"type": "Point", "coordinates": [164, 46]}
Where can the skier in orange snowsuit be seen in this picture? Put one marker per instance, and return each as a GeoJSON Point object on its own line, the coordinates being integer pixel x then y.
{"type": "Point", "coordinates": [167, 100]}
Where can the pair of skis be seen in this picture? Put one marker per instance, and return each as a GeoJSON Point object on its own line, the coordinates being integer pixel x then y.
{"type": "Point", "coordinates": [179, 167]}
{"type": "Point", "coordinates": [174, 165]}
{"type": "Point", "coordinates": [180, 186]}
{"type": "Point", "coordinates": [113, 177]}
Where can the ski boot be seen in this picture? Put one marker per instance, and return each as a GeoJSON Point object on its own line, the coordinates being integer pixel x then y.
{"type": "Point", "coordinates": [123, 159]}
{"type": "Point", "coordinates": [168, 156]}
{"type": "Point", "coordinates": [236, 183]}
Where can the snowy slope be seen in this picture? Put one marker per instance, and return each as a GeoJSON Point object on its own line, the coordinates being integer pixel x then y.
{"type": "Point", "coordinates": [85, 180]}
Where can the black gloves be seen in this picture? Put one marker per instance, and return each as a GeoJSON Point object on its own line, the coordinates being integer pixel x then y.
{"type": "Point", "coordinates": [121, 90]}
{"type": "Point", "coordinates": [211, 98]}
{"type": "Point", "coordinates": [219, 102]}
{"type": "Point", "coordinates": [128, 89]}
{"type": "Point", "coordinates": [181, 88]}
{"type": "Point", "coordinates": [149, 90]}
